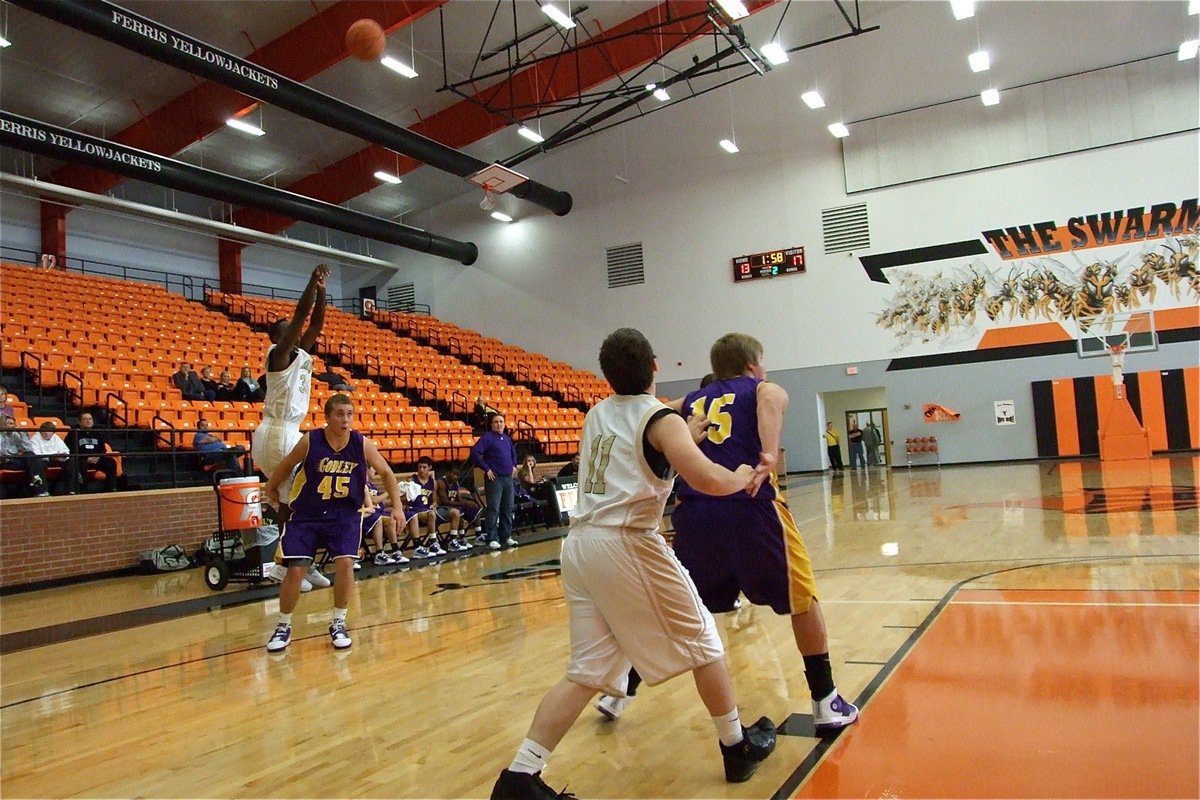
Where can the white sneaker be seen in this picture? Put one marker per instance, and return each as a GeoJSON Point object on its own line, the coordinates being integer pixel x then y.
{"type": "Point", "coordinates": [436, 550]}
{"type": "Point", "coordinates": [511, 543]}
{"type": "Point", "coordinates": [338, 635]}
{"type": "Point", "coordinates": [421, 552]}
{"type": "Point", "coordinates": [280, 638]}
{"type": "Point", "coordinates": [833, 712]}
{"type": "Point", "coordinates": [382, 558]}
{"type": "Point", "coordinates": [611, 707]}
{"type": "Point", "coordinates": [398, 558]}
{"type": "Point", "coordinates": [278, 573]}
{"type": "Point", "coordinates": [357, 564]}
{"type": "Point", "coordinates": [494, 545]}
{"type": "Point", "coordinates": [316, 578]}
{"type": "Point", "coordinates": [305, 586]}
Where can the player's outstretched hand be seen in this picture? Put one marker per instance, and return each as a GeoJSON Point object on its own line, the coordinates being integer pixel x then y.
{"type": "Point", "coordinates": [320, 274]}
{"type": "Point", "coordinates": [762, 473]}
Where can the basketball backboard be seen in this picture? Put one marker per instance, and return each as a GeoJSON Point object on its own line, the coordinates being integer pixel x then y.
{"type": "Point", "coordinates": [1135, 329]}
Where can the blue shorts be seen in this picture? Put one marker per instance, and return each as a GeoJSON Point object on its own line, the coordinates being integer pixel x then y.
{"type": "Point", "coordinates": [379, 513]}
{"type": "Point", "coordinates": [340, 534]}
{"type": "Point", "coordinates": [749, 546]}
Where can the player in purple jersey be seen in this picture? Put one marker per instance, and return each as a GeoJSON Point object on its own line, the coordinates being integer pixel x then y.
{"type": "Point", "coordinates": [327, 501]}
{"type": "Point", "coordinates": [740, 543]}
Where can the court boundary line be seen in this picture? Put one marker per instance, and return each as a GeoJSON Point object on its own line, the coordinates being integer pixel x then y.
{"type": "Point", "coordinates": [825, 745]}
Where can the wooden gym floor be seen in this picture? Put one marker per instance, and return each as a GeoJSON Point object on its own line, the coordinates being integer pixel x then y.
{"type": "Point", "coordinates": [1018, 630]}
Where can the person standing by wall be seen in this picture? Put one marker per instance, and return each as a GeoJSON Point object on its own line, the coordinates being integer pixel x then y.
{"type": "Point", "coordinates": [496, 454]}
{"type": "Point", "coordinates": [871, 441]}
{"type": "Point", "coordinates": [855, 438]}
{"type": "Point", "coordinates": [832, 447]}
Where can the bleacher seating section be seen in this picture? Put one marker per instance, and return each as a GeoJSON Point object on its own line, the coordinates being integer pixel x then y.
{"type": "Point", "coordinates": [432, 375]}
{"type": "Point", "coordinates": [115, 344]}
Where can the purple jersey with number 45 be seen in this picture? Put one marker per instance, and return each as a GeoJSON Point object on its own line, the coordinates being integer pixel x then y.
{"type": "Point", "coordinates": [331, 482]}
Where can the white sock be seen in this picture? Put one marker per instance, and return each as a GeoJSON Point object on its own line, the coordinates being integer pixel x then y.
{"type": "Point", "coordinates": [339, 614]}
{"type": "Point", "coordinates": [286, 619]}
{"type": "Point", "coordinates": [729, 728]}
{"type": "Point", "coordinates": [531, 758]}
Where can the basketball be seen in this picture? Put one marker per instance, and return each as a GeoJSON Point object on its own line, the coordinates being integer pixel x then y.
{"type": "Point", "coordinates": [365, 40]}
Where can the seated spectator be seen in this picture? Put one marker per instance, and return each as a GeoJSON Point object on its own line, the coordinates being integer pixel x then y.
{"type": "Point", "coordinates": [248, 389]}
{"type": "Point", "coordinates": [527, 507]}
{"type": "Point", "coordinates": [527, 476]}
{"type": "Point", "coordinates": [382, 520]}
{"type": "Point", "coordinates": [571, 468]}
{"type": "Point", "coordinates": [213, 451]}
{"type": "Point", "coordinates": [457, 506]}
{"type": "Point", "coordinates": [189, 383]}
{"type": "Point", "coordinates": [47, 450]}
{"type": "Point", "coordinates": [209, 382]}
{"type": "Point", "coordinates": [422, 510]}
{"type": "Point", "coordinates": [92, 448]}
{"type": "Point", "coordinates": [483, 412]}
{"type": "Point", "coordinates": [226, 388]}
{"type": "Point", "coordinates": [339, 383]}
{"type": "Point", "coordinates": [15, 452]}
{"type": "Point", "coordinates": [6, 407]}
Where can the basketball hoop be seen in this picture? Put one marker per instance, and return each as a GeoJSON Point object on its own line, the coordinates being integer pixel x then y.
{"type": "Point", "coordinates": [1117, 353]}
{"type": "Point", "coordinates": [489, 198]}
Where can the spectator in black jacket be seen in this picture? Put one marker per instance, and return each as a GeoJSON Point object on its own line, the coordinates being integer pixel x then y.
{"type": "Point", "coordinates": [90, 446]}
{"type": "Point", "coordinates": [226, 388]}
{"type": "Point", "coordinates": [189, 383]}
{"type": "Point", "coordinates": [210, 383]}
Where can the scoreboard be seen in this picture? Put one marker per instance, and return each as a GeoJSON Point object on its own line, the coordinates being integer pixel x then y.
{"type": "Point", "coordinates": [768, 264]}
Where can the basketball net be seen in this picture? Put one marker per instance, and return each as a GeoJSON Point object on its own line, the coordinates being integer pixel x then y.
{"type": "Point", "coordinates": [489, 198]}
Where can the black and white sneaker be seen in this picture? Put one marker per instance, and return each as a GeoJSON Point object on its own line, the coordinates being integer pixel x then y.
{"type": "Point", "coordinates": [525, 786]}
{"type": "Point", "coordinates": [743, 758]}
{"type": "Point", "coordinates": [338, 635]}
{"type": "Point", "coordinates": [280, 638]}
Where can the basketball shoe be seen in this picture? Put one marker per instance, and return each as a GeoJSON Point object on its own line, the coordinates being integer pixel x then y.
{"type": "Point", "coordinates": [525, 786]}
{"type": "Point", "coordinates": [279, 572]}
{"type": "Point", "coordinates": [338, 635]}
{"type": "Point", "coordinates": [317, 578]}
{"type": "Point", "coordinates": [280, 638]}
{"type": "Point", "coordinates": [833, 713]}
{"type": "Point", "coordinates": [743, 758]}
{"type": "Point", "coordinates": [612, 707]}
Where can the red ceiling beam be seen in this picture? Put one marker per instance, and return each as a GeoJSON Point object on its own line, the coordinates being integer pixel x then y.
{"type": "Point", "coordinates": [303, 52]}
{"type": "Point", "coordinates": [466, 122]}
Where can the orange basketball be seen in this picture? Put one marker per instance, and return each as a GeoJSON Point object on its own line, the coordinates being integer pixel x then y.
{"type": "Point", "coordinates": [365, 40]}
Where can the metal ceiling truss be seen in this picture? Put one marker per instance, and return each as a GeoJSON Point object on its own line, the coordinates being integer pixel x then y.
{"type": "Point", "coordinates": [682, 24]}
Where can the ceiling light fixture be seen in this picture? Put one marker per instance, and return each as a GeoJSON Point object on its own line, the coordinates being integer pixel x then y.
{"type": "Point", "coordinates": [1188, 49]}
{"type": "Point", "coordinates": [1193, 7]}
{"type": "Point", "coordinates": [531, 134]}
{"type": "Point", "coordinates": [387, 177]}
{"type": "Point", "coordinates": [839, 130]}
{"type": "Point", "coordinates": [979, 61]}
{"type": "Point", "coordinates": [990, 97]}
{"type": "Point", "coordinates": [775, 53]}
{"type": "Point", "coordinates": [4, 42]}
{"type": "Point", "coordinates": [500, 216]}
{"type": "Point", "coordinates": [244, 127]}
{"type": "Point", "coordinates": [660, 94]}
{"type": "Point", "coordinates": [734, 9]}
{"type": "Point", "coordinates": [813, 99]}
{"type": "Point", "coordinates": [561, 19]}
{"type": "Point", "coordinates": [398, 66]}
{"type": "Point", "coordinates": [728, 146]}
{"type": "Point", "coordinates": [963, 9]}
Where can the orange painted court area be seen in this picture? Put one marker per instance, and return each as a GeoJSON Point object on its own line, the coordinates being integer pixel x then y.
{"type": "Point", "coordinates": [1034, 693]}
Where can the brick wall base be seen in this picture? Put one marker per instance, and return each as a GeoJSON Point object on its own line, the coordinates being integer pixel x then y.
{"type": "Point", "coordinates": [52, 538]}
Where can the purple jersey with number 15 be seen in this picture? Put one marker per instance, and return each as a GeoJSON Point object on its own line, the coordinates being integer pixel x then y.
{"type": "Point", "coordinates": [731, 406]}
{"type": "Point", "coordinates": [331, 482]}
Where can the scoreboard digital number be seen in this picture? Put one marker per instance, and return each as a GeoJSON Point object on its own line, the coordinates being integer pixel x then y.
{"type": "Point", "coordinates": [769, 264]}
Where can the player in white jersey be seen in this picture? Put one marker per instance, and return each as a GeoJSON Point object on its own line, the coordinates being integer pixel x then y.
{"type": "Point", "coordinates": [628, 597]}
{"type": "Point", "coordinates": [289, 370]}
